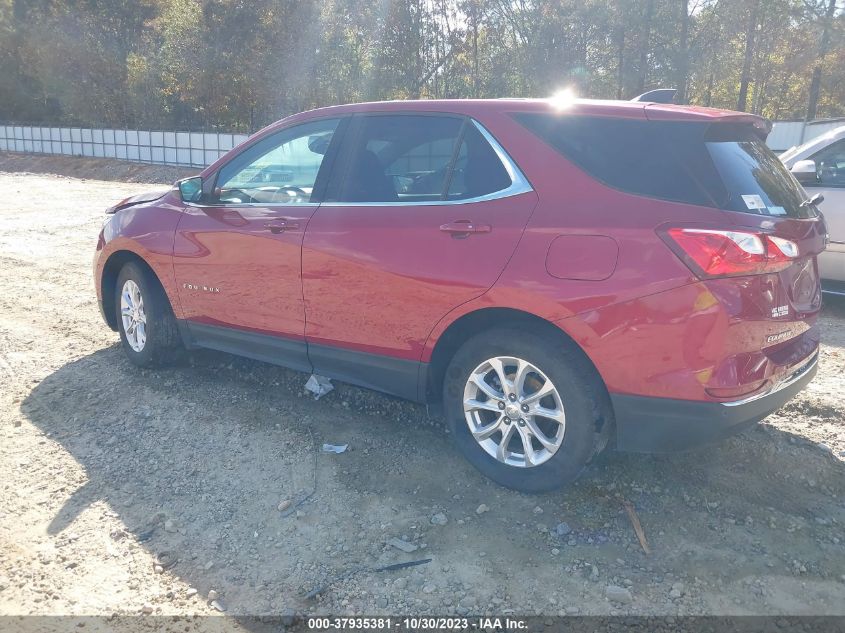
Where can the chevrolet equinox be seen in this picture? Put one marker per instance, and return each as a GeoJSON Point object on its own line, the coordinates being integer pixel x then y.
{"type": "Point", "coordinates": [557, 277]}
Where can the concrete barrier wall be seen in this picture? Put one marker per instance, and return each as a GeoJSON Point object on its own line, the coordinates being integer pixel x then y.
{"type": "Point", "coordinates": [185, 149]}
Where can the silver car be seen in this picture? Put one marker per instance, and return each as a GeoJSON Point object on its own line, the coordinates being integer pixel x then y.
{"type": "Point", "coordinates": [819, 165]}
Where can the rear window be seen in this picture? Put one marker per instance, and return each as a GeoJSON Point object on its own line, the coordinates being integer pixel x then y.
{"type": "Point", "coordinates": [755, 179]}
{"type": "Point", "coordinates": [716, 165]}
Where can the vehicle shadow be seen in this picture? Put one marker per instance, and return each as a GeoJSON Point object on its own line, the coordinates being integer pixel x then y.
{"type": "Point", "coordinates": [197, 460]}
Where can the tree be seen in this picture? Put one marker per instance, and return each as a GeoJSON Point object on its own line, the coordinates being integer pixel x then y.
{"type": "Point", "coordinates": [752, 24]}
{"type": "Point", "coordinates": [824, 44]}
{"type": "Point", "coordinates": [233, 64]}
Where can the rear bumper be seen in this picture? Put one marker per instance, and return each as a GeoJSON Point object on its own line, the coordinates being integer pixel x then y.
{"type": "Point", "coordinates": [659, 425]}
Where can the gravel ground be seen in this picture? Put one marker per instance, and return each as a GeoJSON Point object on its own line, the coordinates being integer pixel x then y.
{"type": "Point", "coordinates": [169, 492]}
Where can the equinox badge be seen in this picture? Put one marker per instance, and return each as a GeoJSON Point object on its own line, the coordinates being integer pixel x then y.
{"type": "Point", "coordinates": [201, 288]}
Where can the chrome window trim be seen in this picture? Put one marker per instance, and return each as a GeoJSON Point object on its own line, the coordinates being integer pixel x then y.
{"type": "Point", "coordinates": [238, 205]}
{"type": "Point", "coordinates": [519, 183]}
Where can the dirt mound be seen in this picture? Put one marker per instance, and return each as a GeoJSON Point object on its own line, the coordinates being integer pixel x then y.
{"type": "Point", "coordinates": [92, 168]}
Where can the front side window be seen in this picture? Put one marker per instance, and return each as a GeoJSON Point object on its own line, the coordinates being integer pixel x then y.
{"type": "Point", "coordinates": [830, 165]}
{"type": "Point", "coordinates": [280, 169]}
{"type": "Point", "coordinates": [419, 159]}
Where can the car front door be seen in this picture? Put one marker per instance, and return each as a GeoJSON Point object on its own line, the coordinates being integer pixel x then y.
{"type": "Point", "coordinates": [421, 214]}
{"type": "Point", "coordinates": [237, 255]}
{"type": "Point", "coordinates": [830, 182]}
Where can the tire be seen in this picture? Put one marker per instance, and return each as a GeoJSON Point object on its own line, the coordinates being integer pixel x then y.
{"type": "Point", "coordinates": [155, 341]}
{"type": "Point", "coordinates": [578, 392]}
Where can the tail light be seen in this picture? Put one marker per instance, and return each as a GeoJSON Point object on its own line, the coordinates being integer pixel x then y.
{"type": "Point", "coordinates": [713, 253]}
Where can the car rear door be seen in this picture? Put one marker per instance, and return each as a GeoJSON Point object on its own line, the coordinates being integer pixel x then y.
{"type": "Point", "coordinates": [237, 255]}
{"type": "Point", "coordinates": [421, 215]}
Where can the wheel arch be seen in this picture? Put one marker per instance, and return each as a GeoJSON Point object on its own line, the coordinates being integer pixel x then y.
{"type": "Point", "coordinates": [108, 281]}
{"type": "Point", "coordinates": [472, 323]}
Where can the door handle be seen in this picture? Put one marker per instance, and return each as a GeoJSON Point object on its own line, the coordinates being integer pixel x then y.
{"type": "Point", "coordinates": [463, 228]}
{"type": "Point", "coordinates": [280, 226]}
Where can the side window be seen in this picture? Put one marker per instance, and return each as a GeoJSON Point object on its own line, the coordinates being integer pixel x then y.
{"type": "Point", "coordinates": [280, 169]}
{"type": "Point", "coordinates": [418, 158]}
{"type": "Point", "coordinates": [478, 170]}
{"type": "Point", "coordinates": [645, 158]}
{"type": "Point", "coordinates": [399, 158]}
{"type": "Point", "coordinates": [830, 165]}
{"type": "Point", "coordinates": [421, 171]}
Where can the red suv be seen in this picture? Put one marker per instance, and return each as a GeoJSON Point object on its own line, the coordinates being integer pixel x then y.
{"type": "Point", "coordinates": [557, 276]}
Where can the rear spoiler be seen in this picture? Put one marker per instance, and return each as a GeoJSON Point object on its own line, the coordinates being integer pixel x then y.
{"type": "Point", "coordinates": [663, 112]}
{"type": "Point", "coordinates": [762, 126]}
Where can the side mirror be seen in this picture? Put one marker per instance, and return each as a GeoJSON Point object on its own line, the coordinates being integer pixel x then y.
{"type": "Point", "coordinates": [804, 171]}
{"type": "Point", "coordinates": [191, 189]}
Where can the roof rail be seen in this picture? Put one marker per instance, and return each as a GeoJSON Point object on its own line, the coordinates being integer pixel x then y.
{"type": "Point", "coordinates": [661, 95]}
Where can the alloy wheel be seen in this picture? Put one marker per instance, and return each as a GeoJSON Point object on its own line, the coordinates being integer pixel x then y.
{"type": "Point", "coordinates": [514, 412]}
{"type": "Point", "coordinates": [133, 316]}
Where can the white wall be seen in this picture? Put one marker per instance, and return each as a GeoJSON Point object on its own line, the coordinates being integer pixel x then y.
{"type": "Point", "coordinates": [196, 149]}
{"type": "Point", "coordinates": [786, 134]}
{"type": "Point", "coordinates": [188, 149]}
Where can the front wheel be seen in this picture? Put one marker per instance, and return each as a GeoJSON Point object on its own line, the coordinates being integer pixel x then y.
{"type": "Point", "coordinates": [148, 331]}
{"type": "Point", "coordinates": [524, 412]}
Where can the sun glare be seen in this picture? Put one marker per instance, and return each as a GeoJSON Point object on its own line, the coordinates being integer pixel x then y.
{"type": "Point", "coordinates": [563, 98]}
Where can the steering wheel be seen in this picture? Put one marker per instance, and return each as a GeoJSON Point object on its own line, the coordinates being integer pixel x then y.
{"type": "Point", "coordinates": [298, 192]}
{"type": "Point", "coordinates": [829, 172]}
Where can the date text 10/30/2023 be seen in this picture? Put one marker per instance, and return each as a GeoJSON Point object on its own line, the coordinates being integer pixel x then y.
{"type": "Point", "coordinates": [421, 623]}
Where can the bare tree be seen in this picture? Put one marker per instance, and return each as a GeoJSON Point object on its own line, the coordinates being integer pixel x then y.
{"type": "Point", "coordinates": [750, 37]}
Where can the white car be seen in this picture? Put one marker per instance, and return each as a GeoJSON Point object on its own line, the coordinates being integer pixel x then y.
{"type": "Point", "coordinates": [819, 165]}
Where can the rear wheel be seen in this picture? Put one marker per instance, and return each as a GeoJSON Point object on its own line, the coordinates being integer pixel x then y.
{"type": "Point", "coordinates": [523, 412]}
{"type": "Point", "coordinates": [148, 331]}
